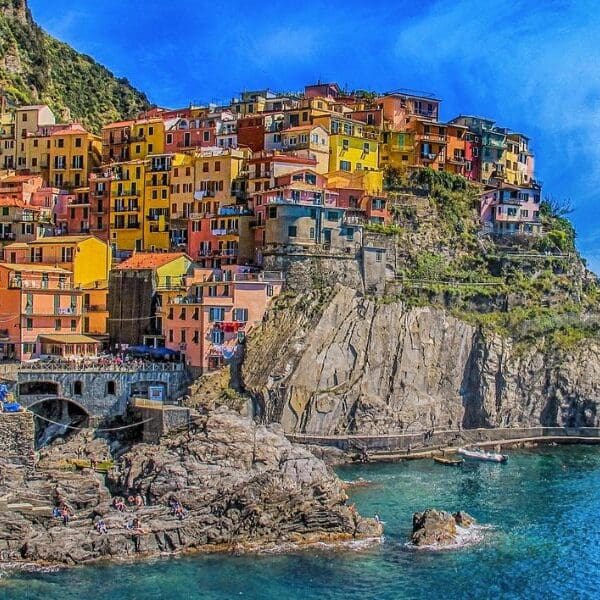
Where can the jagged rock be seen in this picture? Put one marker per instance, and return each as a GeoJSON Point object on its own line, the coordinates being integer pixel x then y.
{"type": "Point", "coordinates": [438, 528]}
{"type": "Point", "coordinates": [242, 486]}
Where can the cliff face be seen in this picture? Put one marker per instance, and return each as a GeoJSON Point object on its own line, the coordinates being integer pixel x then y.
{"type": "Point", "coordinates": [35, 67]}
{"type": "Point", "coordinates": [352, 365]}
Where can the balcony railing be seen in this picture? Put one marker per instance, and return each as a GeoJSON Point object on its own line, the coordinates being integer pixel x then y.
{"type": "Point", "coordinates": [125, 193]}
{"type": "Point", "coordinates": [223, 252]}
{"type": "Point", "coordinates": [95, 308]}
{"type": "Point", "coordinates": [39, 284]}
{"type": "Point", "coordinates": [431, 137]}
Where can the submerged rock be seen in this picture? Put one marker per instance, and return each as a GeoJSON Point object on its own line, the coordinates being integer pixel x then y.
{"type": "Point", "coordinates": [240, 486]}
{"type": "Point", "coordinates": [438, 528]}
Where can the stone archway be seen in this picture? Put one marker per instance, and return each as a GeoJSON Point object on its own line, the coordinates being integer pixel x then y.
{"type": "Point", "coordinates": [57, 416]}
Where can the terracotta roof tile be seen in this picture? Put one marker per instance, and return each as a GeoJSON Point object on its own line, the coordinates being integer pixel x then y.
{"type": "Point", "coordinates": [150, 260]}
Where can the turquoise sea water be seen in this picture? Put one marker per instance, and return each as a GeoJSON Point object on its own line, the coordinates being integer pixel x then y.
{"type": "Point", "coordinates": [544, 506]}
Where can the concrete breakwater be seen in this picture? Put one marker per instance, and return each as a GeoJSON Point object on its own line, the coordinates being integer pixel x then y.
{"type": "Point", "coordinates": [424, 441]}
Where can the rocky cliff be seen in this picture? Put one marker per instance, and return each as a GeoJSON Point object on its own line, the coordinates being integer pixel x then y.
{"type": "Point", "coordinates": [343, 363]}
{"type": "Point", "coordinates": [242, 486]}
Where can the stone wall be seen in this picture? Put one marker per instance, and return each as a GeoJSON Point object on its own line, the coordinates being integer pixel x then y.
{"type": "Point", "coordinates": [95, 398]}
{"type": "Point", "coordinates": [17, 440]}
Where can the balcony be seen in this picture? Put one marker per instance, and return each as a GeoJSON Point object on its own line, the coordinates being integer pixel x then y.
{"type": "Point", "coordinates": [214, 253]}
{"type": "Point", "coordinates": [8, 236]}
{"type": "Point", "coordinates": [431, 137]}
{"type": "Point", "coordinates": [131, 192]}
{"type": "Point", "coordinates": [39, 284]}
{"type": "Point", "coordinates": [94, 308]}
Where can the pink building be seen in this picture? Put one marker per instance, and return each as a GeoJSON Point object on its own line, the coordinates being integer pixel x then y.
{"type": "Point", "coordinates": [216, 312]}
{"type": "Point", "coordinates": [511, 210]}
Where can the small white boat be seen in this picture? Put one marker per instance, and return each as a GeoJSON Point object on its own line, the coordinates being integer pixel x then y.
{"type": "Point", "coordinates": [478, 454]}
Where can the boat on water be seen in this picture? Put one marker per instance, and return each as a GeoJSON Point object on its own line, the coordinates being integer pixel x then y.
{"type": "Point", "coordinates": [447, 460]}
{"type": "Point", "coordinates": [478, 454]}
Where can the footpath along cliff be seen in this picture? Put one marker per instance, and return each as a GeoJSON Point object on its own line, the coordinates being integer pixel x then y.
{"type": "Point", "coordinates": [242, 487]}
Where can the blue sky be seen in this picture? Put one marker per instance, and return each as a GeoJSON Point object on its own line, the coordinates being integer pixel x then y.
{"type": "Point", "coordinates": [533, 66]}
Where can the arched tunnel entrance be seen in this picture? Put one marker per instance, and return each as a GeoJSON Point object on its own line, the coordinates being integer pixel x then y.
{"type": "Point", "coordinates": [56, 417]}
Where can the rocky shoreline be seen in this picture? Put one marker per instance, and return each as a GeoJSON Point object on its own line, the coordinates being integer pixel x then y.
{"type": "Point", "coordinates": [228, 485]}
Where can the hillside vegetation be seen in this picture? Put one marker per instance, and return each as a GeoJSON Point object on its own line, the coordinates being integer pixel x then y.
{"type": "Point", "coordinates": [520, 286]}
{"type": "Point", "coordinates": [35, 67]}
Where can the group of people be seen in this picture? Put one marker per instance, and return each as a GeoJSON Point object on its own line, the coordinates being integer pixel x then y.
{"type": "Point", "coordinates": [136, 500]}
{"type": "Point", "coordinates": [62, 512]}
{"type": "Point", "coordinates": [120, 361]}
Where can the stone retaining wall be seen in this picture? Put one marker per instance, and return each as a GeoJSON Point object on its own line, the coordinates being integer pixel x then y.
{"type": "Point", "coordinates": [17, 440]}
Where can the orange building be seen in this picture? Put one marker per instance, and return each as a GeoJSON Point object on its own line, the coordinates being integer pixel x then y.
{"type": "Point", "coordinates": [40, 313]}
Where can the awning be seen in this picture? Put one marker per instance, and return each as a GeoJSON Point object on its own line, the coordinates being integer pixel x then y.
{"type": "Point", "coordinates": [67, 338]}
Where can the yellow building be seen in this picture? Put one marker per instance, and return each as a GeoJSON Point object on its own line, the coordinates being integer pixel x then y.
{"type": "Point", "coordinates": [217, 175]}
{"type": "Point", "coordinates": [28, 120]}
{"type": "Point", "coordinates": [147, 137]}
{"type": "Point", "coordinates": [397, 150]}
{"type": "Point", "coordinates": [64, 155]}
{"type": "Point", "coordinates": [127, 206]}
{"type": "Point", "coordinates": [95, 308]}
{"type": "Point", "coordinates": [87, 257]}
{"type": "Point", "coordinates": [182, 197]}
{"type": "Point", "coordinates": [352, 153]}
{"type": "Point", "coordinates": [157, 192]}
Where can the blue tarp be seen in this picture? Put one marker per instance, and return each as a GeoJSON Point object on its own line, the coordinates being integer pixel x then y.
{"type": "Point", "coordinates": [11, 407]}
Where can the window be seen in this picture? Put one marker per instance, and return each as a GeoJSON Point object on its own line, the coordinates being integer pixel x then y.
{"type": "Point", "coordinates": [270, 290]}
{"type": "Point", "coordinates": [205, 167]}
{"type": "Point", "coordinates": [311, 234]}
{"type": "Point", "coordinates": [206, 136]}
{"type": "Point", "coordinates": [73, 325]}
{"type": "Point", "coordinates": [150, 148]}
{"type": "Point", "coordinates": [292, 231]}
{"type": "Point", "coordinates": [524, 213]}
{"type": "Point", "coordinates": [57, 324]}
{"type": "Point", "coordinates": [240, 315]}
{"type": "Point", "coordinates": [332, 215]}
{"type": "Point", "coordinates": [182, 336]}
{"type": "Point", "coordinates": [345, 165]}
{"type": "Point", "coordinates": [216, 314]}
{"type": "Point", "coordinates": [345, 144]}
{"type": "Point", "coordinates": [169, 138]}
{"type": "Point", "coordinates": [379, 256]}
{"type": "Point", "coordinates": [217, 165]}
{"type": "Point", "coordinates": [77, 142]}
{"type": "Point", "coordinates": [272, 212]}
{"type": "Point", "coordinates": [111, 388]}
{"type": "Point", "coordinates": [77, 388]}
{"type": "Point", "coordinates": [66, 254]}
{"type": "Point", "coordinates": [217, 336]}
{"type": "Point", "coordinates": [366, 148]}
{"type": "Point", "coordinates": [29, 324]}
{"type": "Point", "coordinates": [150, 130]}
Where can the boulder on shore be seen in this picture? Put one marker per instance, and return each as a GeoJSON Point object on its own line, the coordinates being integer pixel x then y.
{"type": "Point", "coordinates": [438, 528]}
{"type": "Point", "coordinates": [226, 485]}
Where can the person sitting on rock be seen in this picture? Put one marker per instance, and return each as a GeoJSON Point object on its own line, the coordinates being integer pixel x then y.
{"type": "Point", "coordinates": [101, 527]}
{"type": "Point", "coordinates": [180, 512]}
{"type": "Point", "coordinates": [139, 501]}
{"type": "Point", "coordinates": [118, 504]}
{"type": "Point", "coordinates": [56, 512]}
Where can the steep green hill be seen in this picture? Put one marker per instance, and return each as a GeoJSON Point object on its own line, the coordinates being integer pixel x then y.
{"type": "Point", "coordinates": [35, 67]}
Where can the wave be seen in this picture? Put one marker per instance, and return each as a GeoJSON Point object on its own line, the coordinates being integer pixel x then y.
{"type": "Point", "coordinates": [465, 537]}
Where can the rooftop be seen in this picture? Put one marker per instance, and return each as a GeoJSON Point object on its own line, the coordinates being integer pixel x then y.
{"type": "Point", "coordinates": [150, 260]}
{"type": "Point", "coordinates": [62, 239]}
{"type": "Point", "coordinates": [33, 268]}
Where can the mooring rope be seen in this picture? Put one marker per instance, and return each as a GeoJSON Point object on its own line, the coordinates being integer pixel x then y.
{"type": "Point", "coordinates": [91, 428]}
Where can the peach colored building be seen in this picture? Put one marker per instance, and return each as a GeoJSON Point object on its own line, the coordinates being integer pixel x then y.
{"type": "Point", "coordinates": [39, 309]}
{"type": "Point", "coordinates": [217, 310]}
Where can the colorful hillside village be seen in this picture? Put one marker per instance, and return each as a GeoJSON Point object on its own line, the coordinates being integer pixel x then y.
{"type": "Point", "coordinates": [157, 232]}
